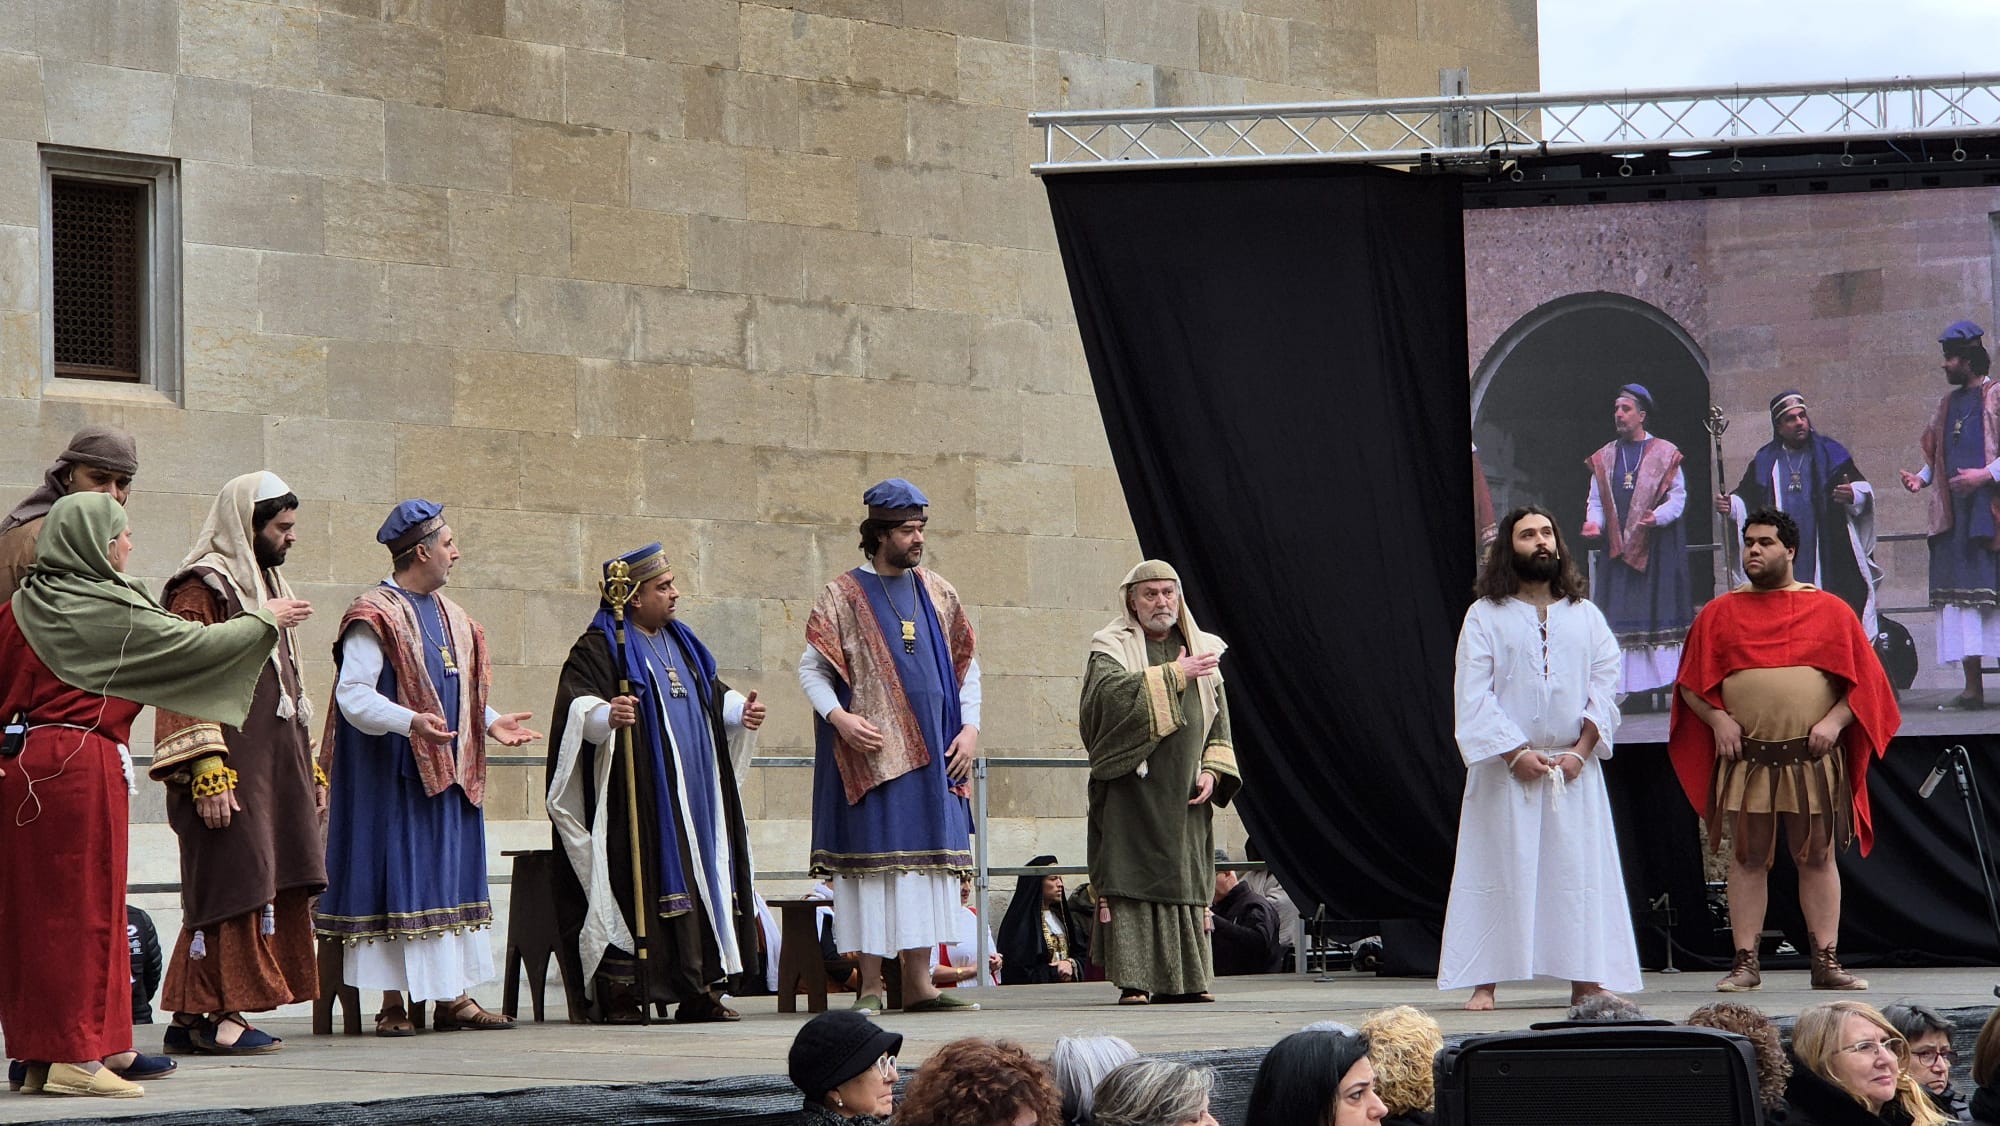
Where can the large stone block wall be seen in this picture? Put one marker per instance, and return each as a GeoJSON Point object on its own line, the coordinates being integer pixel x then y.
{"type": "Point", "coordinates": [598, 272]}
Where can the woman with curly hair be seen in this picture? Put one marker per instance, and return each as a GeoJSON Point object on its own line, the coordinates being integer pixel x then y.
{"type": "Point", "coordinates": [1774, 1068]}
{"type": "Point", "coordinates": [1403, 1043]}
{"type": "Point", "coordinates": [1316, 1079]}
{"type": "Point", "coordinates": [1154, 1093]}
{"type": "Point", "coordinates": [974, 1082]}
{"type": "Point", "coordinates": [1850, 1068]}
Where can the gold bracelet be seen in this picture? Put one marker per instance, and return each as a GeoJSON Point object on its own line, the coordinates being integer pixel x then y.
{"type": "Point", "coordinates": [319, 776]}
{"type": "Point", "coordinates": [208, 785]}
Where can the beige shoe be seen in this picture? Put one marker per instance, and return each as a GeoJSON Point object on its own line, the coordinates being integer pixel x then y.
{"type": "Point", "coordinates": [1743, 976]}
{"type": "Point", "coordinates": [1827, 972]}
{"type": "Point", "coordinates": [69, 1079]}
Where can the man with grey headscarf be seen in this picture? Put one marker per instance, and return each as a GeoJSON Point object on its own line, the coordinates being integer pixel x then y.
{"type": "Point", "coordinates": [1156, 726]}
{"type": "Point", "coordinates": [99, 459]}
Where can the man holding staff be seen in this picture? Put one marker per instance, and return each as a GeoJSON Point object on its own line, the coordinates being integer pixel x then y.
{"type": "Point", "coordinates": [684, 728]}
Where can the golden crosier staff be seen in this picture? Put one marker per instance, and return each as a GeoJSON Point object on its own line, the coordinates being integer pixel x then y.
{"type": "Point", "coordinates": [618, 587]}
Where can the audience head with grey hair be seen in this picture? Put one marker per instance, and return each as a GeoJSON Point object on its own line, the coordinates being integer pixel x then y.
{"type": "Point", "coordinates": [1154, 1093]}
{"type": "Point", "coordinates": [1079, 1064]}
{"type": "Point", "coordinates": [1602, 1008]}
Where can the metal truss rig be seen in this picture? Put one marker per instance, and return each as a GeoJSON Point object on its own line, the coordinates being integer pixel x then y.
{"type": "Point", "coordinates": [1485, 128]}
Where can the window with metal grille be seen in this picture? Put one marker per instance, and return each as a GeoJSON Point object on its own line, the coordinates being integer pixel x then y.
{"type": "Point", "coordinates": [97, 248]}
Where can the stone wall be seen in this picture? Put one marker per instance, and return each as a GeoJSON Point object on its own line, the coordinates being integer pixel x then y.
{"type": "Point", "coordinates": [598, 272]}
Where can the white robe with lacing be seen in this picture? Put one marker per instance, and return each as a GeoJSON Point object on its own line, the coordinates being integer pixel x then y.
{"type": "Point", "coordinates": [1537, 890]}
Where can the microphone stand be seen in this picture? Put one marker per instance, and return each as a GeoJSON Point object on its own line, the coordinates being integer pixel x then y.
{"type": "Point", "coordinates": [1959, 762]}
{"type": "Point", "coordinates": [618, 586]}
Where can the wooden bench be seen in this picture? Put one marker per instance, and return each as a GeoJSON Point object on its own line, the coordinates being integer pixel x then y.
{"type": "Point", "coordinates": [800, 966]}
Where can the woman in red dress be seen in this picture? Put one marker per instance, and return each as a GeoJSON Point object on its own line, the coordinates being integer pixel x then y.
{"type": "Point", "coordinates": [82, 649]}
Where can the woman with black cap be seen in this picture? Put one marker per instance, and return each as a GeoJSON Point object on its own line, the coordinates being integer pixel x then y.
{"type": "Point", "coordinates": [1034, 944]}
{"type": "Point", "coordinates": [845, 1065]}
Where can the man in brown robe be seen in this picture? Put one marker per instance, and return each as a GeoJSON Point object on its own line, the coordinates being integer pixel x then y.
{"type": "Point", "coordinates": [1156, 725]}
{"type": "Point", "coordinates": [245, 802]}
{"type": "Point", "coordinates": [99, 459]}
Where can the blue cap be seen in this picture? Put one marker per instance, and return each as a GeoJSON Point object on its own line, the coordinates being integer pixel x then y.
{"type": "Point", "coordinates": [894, 499]}
{"type": "Point", "coordinates": [649, 562]}
{"type": "Point", "coordinates": [411, 521]}
{"type": "Point", "coordinates": [1961, 332]}
{"type": "Point", "coordinates": [1637, 393]}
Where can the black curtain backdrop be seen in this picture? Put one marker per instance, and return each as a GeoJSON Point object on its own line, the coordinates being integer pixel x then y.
{"type": "Point", "coordinates": [1279, 358]}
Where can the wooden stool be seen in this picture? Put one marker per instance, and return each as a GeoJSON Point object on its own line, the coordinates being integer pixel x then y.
{"type": "Point", "coordinates": [332, 988]}
{"type": "Point", "coordinates": [534, 936]}
{"type": "Point", "coordinates": [799, 963]}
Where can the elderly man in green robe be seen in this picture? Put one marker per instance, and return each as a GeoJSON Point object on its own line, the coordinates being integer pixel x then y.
{"type": "Point", "coordinates": [1156, 725]}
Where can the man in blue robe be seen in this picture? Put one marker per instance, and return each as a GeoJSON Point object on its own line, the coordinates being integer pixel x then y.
{"type": "Point", "coordinates": [688, 729]}
{"type": "Point", "coordinates": [890, 672]}
{"type": "Point", "coordinates": [405, 757]}
{"type": "Point", "coordinates": [1962, 453]}
{"type": "Point", "coordinates": [1813, 479]}
{"type": "Point", "coordinates": [1637, 498]}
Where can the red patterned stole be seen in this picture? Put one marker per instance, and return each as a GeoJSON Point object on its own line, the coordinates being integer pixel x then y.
{"type": "Point", "coordinates": [1654, 480]}
{"type": "Point", "coordinates": [843, 629]}
{"type": "Point", "coordinates": [393, 620]}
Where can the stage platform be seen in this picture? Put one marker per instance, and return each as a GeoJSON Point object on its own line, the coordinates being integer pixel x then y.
{"type": "Point", "coordinates": [1250, 1013]}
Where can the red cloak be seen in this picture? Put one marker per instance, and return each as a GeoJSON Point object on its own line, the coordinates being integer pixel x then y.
{"type": "Point", "coordinates": [1774, 629]}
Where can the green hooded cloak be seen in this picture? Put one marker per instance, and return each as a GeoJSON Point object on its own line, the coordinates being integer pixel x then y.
{"type": "Point", "coordinates": [102, 631]}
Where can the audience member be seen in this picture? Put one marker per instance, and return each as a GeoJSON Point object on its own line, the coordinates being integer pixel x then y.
{"type": "Point", "coordinates": [1605, 1008]}
{"type": "Point", "coordinates": [1078, 1065]}
{"type": "Point", "coordinates": [1985, 1105]}
{"type": "Point", "coordinates": [956, 964]}
{"type": "Point", "coordinates": [144, 941]}
{"type": "Point", "coordinates": [1265, 883]}
{"type": "Point", "coordinates": [1034, 935]}
{"type": "Point", "coordinates": [1246, 938]}
{"type": "Point", "coordinates": [1774, 1067]}
{"type": "Point", "coordinates": [1154, 1093]}
{"type": "Point", "coordinates": [1929, 1037]}
{"type": "Point", "coordinates": [845, 1066]}
{"type": "Point", "coordinates": [1403, 1043]}
{"type": "Point", "coordinates": [974, 1082]}
{"type": "Point", "coordinates": [1316, 1079]}
{"type": "Point", "coordinates": [1850, 1068]}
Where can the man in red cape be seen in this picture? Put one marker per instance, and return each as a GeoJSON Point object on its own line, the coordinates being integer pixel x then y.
{"type": "Point", "coordinates": [1782, 704]}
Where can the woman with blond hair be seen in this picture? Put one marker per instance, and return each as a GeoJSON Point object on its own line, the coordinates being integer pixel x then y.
{"type": "Point", "coordinates": [1850, 1068]}
{"type": "Point", "coordinates": [1403, 1042]}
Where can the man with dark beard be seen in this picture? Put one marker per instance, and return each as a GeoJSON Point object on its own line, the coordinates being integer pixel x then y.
{"type": "Point", "coordinates": [1537, 890]}
{"type": "Point", "coordinates": [1781, 705]}
{"type": "Point", "coordinates": [1962, 454]}
{"type": "Point", "coordinates": [243, 801]}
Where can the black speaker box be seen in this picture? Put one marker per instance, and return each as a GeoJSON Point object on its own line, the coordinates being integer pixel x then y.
{"type": "Point", "coordinates": [1600, 1076]}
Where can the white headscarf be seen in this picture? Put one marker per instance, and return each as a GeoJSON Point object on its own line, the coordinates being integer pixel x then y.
{"type": "Point", "coordinates": [227, 546]}
{"type": "Point", "coordinates": [1124, 640]}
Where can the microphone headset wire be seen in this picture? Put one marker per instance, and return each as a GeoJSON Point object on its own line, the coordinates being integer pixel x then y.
{"type": "Point", "coordinates": [83, 736]}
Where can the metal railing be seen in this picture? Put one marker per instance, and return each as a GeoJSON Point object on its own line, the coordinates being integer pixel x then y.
{"type": "Point", "coordinates": [1485, 127]}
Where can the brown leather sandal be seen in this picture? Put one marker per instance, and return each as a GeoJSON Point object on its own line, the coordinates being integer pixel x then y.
{"type": "Point", "coordinates": [705, 1009]}
{"type": "Point", "coordinates": [468, 1016]}
{"type": "Point", "coordinates": [394, 1022]}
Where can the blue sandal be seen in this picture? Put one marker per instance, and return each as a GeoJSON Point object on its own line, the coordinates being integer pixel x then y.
{"type": "Point", "coordinates": [144, 1067]}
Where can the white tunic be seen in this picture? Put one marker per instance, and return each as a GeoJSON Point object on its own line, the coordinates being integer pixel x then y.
{"type": "Point", "coordinates": [1537, 890]}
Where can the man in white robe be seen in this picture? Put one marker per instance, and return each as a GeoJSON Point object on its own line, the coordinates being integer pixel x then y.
{"type": "Point", "coordinates": [1537, 890]}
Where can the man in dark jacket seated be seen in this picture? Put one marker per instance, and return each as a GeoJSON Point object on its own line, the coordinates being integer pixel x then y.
{"type": "Point", "coordinates": [1246, 926]}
